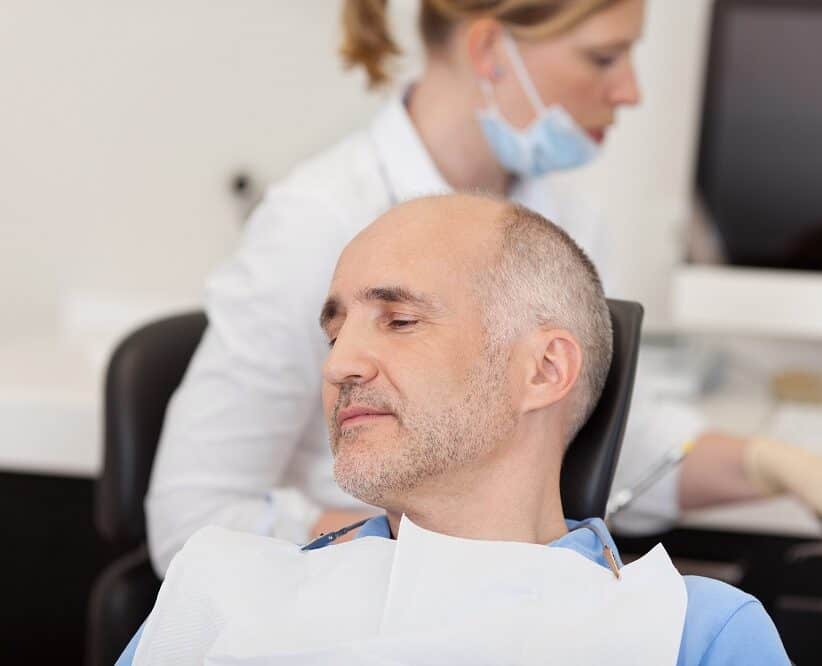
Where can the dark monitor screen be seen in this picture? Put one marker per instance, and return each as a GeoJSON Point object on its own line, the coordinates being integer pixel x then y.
{"type": "Point", "coordinates": [760, 157]}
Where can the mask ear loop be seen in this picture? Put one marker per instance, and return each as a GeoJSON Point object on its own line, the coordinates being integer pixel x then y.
{"type": "Point", "coordinates": [521, 73]}
{"type": "Point", "coordinates": [488, 93]}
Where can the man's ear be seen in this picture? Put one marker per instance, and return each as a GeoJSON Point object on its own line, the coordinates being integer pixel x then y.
{"type": "Point", "coordinates": [483, 39]}
{"type": "Point", "coordinates": [554, 367]}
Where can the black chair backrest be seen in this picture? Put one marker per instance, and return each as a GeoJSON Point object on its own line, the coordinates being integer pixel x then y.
{"type": "Point", "coordinates": [143, 373]}
{"type": "Point", "coordinates": [590, 463]}
{"type": "Point", "coordinates": [149, 364]}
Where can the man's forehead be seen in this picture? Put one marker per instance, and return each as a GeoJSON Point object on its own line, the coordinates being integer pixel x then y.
{"type": "Point", "coordinates": [412, 276]}
{"type": "Point", "coordinates": [464, 216]}
{"type": "Point", "coordinates": [413, 280]}
{"type": "Point", "coordinates": [424, 238]}
{"type": "Point", "coordinates": [432, 246]}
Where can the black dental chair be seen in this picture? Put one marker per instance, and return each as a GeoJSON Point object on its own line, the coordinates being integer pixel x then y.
{"type": "Point", "coordinates": [145, 370]}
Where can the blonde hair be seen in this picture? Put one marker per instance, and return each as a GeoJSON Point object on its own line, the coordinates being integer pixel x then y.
{"type": "Point", "coordinates": [367, 40]}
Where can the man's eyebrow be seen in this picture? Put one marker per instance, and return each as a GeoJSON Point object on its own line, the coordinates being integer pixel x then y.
{"type": "Point", "coordinates": [389, 294]}
{"type": "Point", "coordinates": [331, 309]}
{"type": "Point", "coordinates": [398, 294]}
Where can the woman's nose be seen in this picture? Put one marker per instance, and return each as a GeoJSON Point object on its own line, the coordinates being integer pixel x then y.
{"type": "Point", "coordinates": [626, 90]}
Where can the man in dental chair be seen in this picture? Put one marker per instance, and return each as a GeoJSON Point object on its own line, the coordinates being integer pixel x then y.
{"type": "Point", "coordinates": [469, 341]}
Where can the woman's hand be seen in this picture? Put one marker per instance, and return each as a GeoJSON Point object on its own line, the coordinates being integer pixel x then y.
{"type": "Point", "coordinates": [779, 467]}
{"type": "Point", "coordinates": [723, 468]}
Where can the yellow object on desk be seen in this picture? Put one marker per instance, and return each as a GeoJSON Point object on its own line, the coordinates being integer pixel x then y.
{"type": "Point", "coordinates": [797, 386]}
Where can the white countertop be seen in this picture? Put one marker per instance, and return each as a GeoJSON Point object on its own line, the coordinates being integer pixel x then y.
{"type": "Point", "coordinates": [50, 407]}
{"type": "Point", "coordinates": [52, 379]}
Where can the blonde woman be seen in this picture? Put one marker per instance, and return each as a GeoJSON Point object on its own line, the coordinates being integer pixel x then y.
{"type": "Point", "coordinates": [512, 91]}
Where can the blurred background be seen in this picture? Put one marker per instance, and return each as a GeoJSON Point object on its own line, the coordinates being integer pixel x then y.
{"type": "Point", "coordinates": [135, 137]}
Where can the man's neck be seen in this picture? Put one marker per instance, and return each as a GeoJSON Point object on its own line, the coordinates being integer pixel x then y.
{"type": "Point", "coordinates": [485, 528]}
{"type": "Point", "coordinates": [499, 505]}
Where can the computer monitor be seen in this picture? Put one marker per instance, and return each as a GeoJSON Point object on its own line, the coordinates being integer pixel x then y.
{"type": "Point", "coordinates": [754, 258]}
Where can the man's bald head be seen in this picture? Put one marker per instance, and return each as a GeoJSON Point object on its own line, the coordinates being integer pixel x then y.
{"type": "Point", "coordinates": [465, 228]}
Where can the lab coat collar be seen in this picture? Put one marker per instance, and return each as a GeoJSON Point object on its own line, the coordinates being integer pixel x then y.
{"type": "Point", "coordinates": [586, 537]}
{"type": "Point", "coordinates": [410, 172]}
{"type": "Point", "coordinates": [406, 165]}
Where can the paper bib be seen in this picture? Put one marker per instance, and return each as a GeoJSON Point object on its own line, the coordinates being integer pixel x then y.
{"type": "Point", "coordinates": [429, 599]}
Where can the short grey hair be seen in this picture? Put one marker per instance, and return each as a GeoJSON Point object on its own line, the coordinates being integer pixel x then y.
{"type": "Point", "coordinates": [542, 277]}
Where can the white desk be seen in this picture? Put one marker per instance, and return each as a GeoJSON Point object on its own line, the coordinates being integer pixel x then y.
{"type": "Point", "coordinates": [782, 516]}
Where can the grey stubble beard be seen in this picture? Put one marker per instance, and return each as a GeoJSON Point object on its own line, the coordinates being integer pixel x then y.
{"type": "Point", "coordinates": [428, 444]}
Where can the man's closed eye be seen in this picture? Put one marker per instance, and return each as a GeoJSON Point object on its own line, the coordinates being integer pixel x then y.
{"type": "Point", "coordinates": [402, 324]}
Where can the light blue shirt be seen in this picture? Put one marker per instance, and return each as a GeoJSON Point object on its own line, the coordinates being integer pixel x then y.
{"type": "Point", "coordinates": [723, 625]}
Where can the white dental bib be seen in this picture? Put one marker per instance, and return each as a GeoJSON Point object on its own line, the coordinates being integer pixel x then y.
{"type": "Point", "coordinates": [233, 599]}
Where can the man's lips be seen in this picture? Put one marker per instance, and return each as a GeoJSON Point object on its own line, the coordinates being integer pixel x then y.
{"type": "Point", "coordinates": [355, 414]}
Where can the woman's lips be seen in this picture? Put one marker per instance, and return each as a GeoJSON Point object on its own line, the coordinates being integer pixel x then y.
{"type": "Point", "coordinates": [597, 135]}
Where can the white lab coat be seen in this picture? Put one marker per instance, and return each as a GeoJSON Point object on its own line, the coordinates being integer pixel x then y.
{"type": "Point", "coordinates": [245, 443]}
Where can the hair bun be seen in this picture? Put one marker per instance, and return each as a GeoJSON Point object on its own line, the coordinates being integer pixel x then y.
{"type": "Point", "coordinates": [367, 41]}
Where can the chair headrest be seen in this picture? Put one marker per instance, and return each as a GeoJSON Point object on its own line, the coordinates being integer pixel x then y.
{"type": "Point", "coordinates": [590, 462]}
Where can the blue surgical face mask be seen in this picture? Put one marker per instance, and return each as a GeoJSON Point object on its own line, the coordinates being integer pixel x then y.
{"type": "Point", "coordinates": [554, 141]}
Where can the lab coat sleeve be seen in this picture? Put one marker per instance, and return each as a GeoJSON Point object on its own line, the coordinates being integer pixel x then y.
{"type": "Point", "coordinates": [252, 386]}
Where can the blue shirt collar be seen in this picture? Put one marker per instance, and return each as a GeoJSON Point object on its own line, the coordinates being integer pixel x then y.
{"type": "Point", "coordinates": [586, 537]}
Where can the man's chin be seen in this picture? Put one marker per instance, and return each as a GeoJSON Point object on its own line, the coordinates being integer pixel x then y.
{"type": "Point", "coordinates": [363, 471]}
{"type": "Point", "coordinates": [360, 485]}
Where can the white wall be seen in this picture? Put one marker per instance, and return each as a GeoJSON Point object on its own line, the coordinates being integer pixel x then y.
{"type": "Point", "coordinates": [122, 122]}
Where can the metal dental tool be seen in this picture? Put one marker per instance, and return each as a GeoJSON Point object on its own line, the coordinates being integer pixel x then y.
{"type": "Point", "coordinates": [622, 499]}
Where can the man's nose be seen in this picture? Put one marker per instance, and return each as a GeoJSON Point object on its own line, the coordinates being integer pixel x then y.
{"type": "Point", "coordinates": [626, 90]}
{"type": "Point", "coordinates": [349, 361]}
